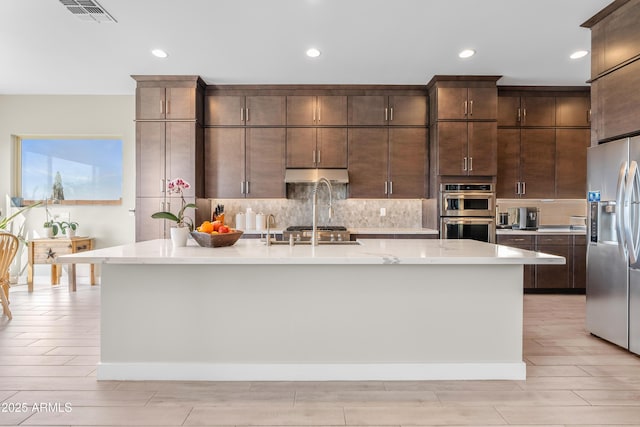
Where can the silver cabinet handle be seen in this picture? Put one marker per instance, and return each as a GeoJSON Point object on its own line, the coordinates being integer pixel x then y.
{"type": "Point", "coordinates": [390, 187]}
{"type": "Point", "coordinates": [162, 206]}
{"type": "Point", "coordinates": [589, 115]}
{"type": "Point", "coordinates": [471, 107]}
{"type": "Point", "coordinates": [319, 110]}
{"type": "Point", "coordinates": [163, 187]}
{"type": "Point", "coordinates": [169, 206]}
{"type": "Point", "coordinates": [161, 106]}
{"type": "Point", "coordinates": [524, 114]}
{"type": "Point", "coordinates": [524, 188]}
{"type": "Point", "coordinates": [464, 164]}
{"type": "Point", "coordinates": [465, 108]}
{"type": "Point", "coordinates": [517, 188]}
{"type": "Point", "coordinates": [167, 104]}
{"type": "Point", "coordinates": [241, 187]}
{"type": "Point", "coordinates": [247, 187]}
{"type": "Point", "coordinates": [242, 114]}
{"type": "Point", "coordinates": [518, 117]}
{"type": "Point", "coordinates": [386, 114]}
{"type": "Point", "coordinates": [318, 156]}
{"type": "Point", "coordinates": [314, 156]}
{"type": "Point", "coordinates": [385, 187]}
{"type": "Point", "coordinates": [247, 113]}
{"type": "Point", "coordinates": [470, 163]}
{"type": "Point", "coordinates": [391, 115]}
{"type": "Point", "coordinates": [314, 114]}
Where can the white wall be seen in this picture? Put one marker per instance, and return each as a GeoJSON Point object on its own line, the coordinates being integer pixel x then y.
{"type": "Point", "coordinates": [74, 115]}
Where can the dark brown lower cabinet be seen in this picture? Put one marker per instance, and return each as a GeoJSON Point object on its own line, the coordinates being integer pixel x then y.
{"type": "Point", "coordinates": [554, 276]}
{"type": "Point", "coordinates": [568, 277]}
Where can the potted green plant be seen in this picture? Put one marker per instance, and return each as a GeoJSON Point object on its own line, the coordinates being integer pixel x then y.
{"type": "Point", "coordinates": [69, 228]}
{"type": "Point", "coordinates": [51, 228]}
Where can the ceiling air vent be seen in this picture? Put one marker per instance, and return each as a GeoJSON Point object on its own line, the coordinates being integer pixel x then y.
{"type": "Point", "coordinates": [88, 10]}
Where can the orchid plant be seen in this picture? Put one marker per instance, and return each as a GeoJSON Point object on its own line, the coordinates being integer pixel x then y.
{"type": "Point", "coordinates": [177, 186]}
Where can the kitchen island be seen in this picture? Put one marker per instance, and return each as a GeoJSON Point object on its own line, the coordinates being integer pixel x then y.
{"type": "Point", "coordinates": [380, 310]}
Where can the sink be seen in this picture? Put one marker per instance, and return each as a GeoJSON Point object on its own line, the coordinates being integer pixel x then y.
{"type": "Point", "coordinates": [320, 243]}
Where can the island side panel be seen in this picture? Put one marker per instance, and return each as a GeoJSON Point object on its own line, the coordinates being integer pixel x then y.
{"type": "Point", "coordinates": [165, 320]}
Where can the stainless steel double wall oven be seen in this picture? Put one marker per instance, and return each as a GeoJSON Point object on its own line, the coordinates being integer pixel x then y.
{"type": "Point", "coordinates": [467, 211]}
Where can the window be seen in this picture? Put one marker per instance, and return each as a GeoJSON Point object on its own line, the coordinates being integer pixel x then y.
{"type": "Point", "coordinates": [70, 170]}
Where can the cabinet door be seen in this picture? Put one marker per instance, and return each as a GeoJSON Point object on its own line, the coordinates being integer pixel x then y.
{"type": "Point", "coordinates": [451, 103]}
{"type": "Point", "coordinates": [571, 162]}
{"type": "Point", "coordinates": [301, 110]}
{"type": "Point", "coordinates": [224, 110]}
{"type": "Point", "coordinates": [224, 162]}
{"type": "Point", "coordinates": [620, 105]}
{"type": "Point", "coordinates": [482, 103]}
{"type": "Point", "coordinates": [538, 162]}
{"type": "Point", "coordinates": [265, 162]}
{"type": "Point", "coordinates": [554, 276]}
{"type": "Point", "coordinates": [407, 163]}
{"type": "Point", "coordinates": [150, 163]}
{"type": "Point", "coordinates": [331, 111]}
{"type": "Point", "coordinates": [538, 111]}
{"type": "Point", "coordinates": [368, 110]}
{"type": "Point", "coordinates": [508, 163]}
{"type": "Point", "coordinates": [331, 148]}
{"type": "Point", "coordinates": [180, 154]}
{"type": "Point", "coordinates": [407, 110]}
{"type": "Point", "coordinates": [180, 103]}
{"type": "Point", "coordinates": [573, 111]}
{"type": "Point", "coordinates": [301, 147]}
{"type": "Point", "coordinates": [266, 111]}
{"type": "Point", "coordinates": [452, 147]}
{"type": "Point", "coordinates": [150, 103]}
{"type": "Point", "coordinates": [483, 151]}
{"type": "Point", "coordinates": [368, 153]}
{"type": "Point", "coordinates": [509, 112]}
{"type": "Point", "coordinates": [148, 228]}
{"type": "Point", "coordinates": [579, 263]}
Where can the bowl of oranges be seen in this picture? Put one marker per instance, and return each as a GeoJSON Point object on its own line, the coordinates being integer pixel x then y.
{"type": "Point", "coordinates": [214, 234]}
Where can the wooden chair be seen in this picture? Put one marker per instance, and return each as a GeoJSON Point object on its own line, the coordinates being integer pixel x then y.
{"type": "Point", "coordinates": [8, 249]}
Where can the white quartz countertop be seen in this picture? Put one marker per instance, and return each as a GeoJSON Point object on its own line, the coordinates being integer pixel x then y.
{"type": "Point", "coordinates": [370, 251]}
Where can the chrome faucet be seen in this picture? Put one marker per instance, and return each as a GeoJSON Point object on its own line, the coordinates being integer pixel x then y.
{"type": "Point", "coordinates": [270, 220]}
{"type": "Point", "coordinates": [314, 195]}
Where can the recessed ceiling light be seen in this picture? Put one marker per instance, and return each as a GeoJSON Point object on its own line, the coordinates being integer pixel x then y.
{"type": "Point", "coordinates": [313, 53]}
{"type": "Point", "coordinates": [467, 53]}
{"type": "Point", "coordinates": [159, 53]}
{"type": "Point", "coordinates": [578, 54]}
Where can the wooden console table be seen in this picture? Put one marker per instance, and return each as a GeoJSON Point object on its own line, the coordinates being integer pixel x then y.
{"type": "Point", "coordinates": [45, 251]}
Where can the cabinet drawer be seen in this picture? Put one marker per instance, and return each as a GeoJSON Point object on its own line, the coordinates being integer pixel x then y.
{"type": "Point", "coordinates": [554, 240]}
{"type": "Point", "coordinates": [47, 253]}
{"type": "Point", "coordinates": [515, 240]}
{"type": "Point", "coordinates": [82, 245]}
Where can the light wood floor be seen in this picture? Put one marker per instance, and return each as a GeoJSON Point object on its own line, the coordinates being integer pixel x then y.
{"type": "Point", "coordinates": [49, 350]}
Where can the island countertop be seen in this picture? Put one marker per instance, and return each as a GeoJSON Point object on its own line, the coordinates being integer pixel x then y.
{"type": "Point", "coordinates": [370, 251]}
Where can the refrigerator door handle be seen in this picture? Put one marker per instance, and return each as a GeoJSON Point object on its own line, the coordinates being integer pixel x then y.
{"type": "Point", "coordinates": [620, 214]}
{"type": "Point", "coordinates": [631, 216]}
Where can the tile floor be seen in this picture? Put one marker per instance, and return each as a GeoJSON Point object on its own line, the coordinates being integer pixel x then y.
{"type": "Point", "coordinates": [49, 350]}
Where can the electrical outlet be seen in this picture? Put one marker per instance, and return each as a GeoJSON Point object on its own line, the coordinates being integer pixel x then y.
{"type": "Point", "coordinates": [383, 211]}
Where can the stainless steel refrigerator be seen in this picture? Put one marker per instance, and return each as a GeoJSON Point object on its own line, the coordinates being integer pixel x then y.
{"type": "Point", "coordinates": [613, 269]}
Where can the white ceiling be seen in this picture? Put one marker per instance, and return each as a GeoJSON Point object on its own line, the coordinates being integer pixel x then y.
{"type": "Point", "coordinates": [46, 50]}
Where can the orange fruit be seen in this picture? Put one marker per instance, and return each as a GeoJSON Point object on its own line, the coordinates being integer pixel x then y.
{"type": "Point", "coordinates": [206, 227]}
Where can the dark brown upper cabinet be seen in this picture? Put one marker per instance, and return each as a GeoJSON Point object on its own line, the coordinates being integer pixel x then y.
{"type": "Point", "coordinates": [387, 163]}
{"type": "Point", "coordinates": [573, 111]}
{"type": "Point", "coordinates": [466, 148]}
{"type": "Point", "coordinates": [314, 110]}
{"type": "Point", "coordinates": [381, 110]}
{"type": "Point", "coordinates": [244, 162]}
{"type": "Point", "coordinates": [462, 103]}
{"type": "Point", "coordinates": [317, 147]}
{"type": "Point", "coordinates": [528, 111]}
{"type": "Point", "coordinates": [229, 110]}
{"type": "Point", "coordinates": [171, 103]}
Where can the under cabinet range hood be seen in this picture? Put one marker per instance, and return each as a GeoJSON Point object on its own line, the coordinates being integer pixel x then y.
{"type": "Point", "coordinates": [309, 176]}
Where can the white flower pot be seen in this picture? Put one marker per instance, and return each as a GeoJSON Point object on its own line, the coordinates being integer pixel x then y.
{"type": "Point", "coordinates": [179, 236]}
{"type": "Point", "coordinates": [71, 232]}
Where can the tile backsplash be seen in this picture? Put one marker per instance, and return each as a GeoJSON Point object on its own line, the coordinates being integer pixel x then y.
{"type": "Point", "coordinates": [352, 213]}
{"type": "Point", "coordinates": [551, 212]}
